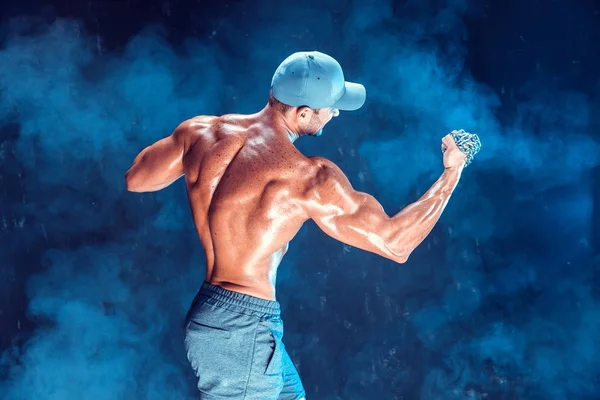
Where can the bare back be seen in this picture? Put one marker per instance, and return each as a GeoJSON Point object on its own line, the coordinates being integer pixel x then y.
{"type": "Point", "coordinates": [245, 186]}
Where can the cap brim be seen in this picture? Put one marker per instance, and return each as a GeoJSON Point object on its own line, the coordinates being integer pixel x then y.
{"type": "Point", "coordinates": [353, 98]}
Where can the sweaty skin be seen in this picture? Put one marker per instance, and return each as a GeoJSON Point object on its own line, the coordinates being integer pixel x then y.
{"type": "Point", "coordinates": [250, 191]}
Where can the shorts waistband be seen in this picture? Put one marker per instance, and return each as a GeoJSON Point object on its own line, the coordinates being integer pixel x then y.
{"type": "Point", "coordinates": [240, 300]}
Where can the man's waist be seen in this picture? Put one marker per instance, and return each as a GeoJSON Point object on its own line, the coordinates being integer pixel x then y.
{"type": "Point", "coordinates": [227, 293]}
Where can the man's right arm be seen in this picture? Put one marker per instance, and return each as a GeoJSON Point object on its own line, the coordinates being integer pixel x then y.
{"type": "Point", "coordinates": [359, 220]}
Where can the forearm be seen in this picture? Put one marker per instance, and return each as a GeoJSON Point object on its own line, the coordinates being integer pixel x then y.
{"type": "Point", "coordinates": [410, 227]}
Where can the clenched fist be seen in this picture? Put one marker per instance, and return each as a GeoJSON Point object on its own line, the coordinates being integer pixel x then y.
{"type": "Point", "coordinates": [459, 148]}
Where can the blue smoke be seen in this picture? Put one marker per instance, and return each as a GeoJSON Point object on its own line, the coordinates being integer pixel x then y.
{"type": "Point", "coordinates": [499, 302]}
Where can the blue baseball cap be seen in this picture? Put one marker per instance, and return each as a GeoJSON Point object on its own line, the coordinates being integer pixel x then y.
{"type": "Point", "coordinates": [316, 80]}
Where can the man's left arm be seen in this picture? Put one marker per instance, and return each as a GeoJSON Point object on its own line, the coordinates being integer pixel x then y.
{"type": "Point", "coordinates": [158, 165]}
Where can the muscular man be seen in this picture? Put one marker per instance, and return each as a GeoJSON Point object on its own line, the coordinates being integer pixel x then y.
{"type": "Point", "coordinates": [250, 190]}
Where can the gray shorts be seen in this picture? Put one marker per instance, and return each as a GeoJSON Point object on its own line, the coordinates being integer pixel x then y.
{"type": "Point", "coordinates": [234, 344]}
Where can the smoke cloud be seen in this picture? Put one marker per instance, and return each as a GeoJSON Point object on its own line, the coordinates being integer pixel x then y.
{"type": "Point", "coordinates": [499, 302]}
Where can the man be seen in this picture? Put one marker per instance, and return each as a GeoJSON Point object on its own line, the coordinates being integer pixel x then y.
{"type": "Point", "coordinates": [250, 190]}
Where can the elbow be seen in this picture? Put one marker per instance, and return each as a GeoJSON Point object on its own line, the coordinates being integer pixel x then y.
{"type": "Point", "coordinates": [401, 258]}
{"type": "Point", "coordinates": [403, 254]}
{"type": "Point", "coordinates": [131, 183]}
{"type": "Point", "coordinates": [394, 251]}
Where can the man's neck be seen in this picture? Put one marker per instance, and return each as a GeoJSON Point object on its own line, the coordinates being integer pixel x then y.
{"type": "Point", "coordinates": [292, 136]}
{"type": "Point", "coordinates": [279, 123]}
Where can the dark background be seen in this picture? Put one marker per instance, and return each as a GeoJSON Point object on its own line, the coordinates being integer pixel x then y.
{"type": "Point", "coordinates": [501, 301]}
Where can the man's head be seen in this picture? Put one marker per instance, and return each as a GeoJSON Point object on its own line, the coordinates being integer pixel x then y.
{"type": "Point", "coordinates": [310, 89]}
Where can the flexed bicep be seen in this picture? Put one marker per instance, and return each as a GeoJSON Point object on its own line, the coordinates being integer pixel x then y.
{"type": "Point", "coordinates": [352, 217]}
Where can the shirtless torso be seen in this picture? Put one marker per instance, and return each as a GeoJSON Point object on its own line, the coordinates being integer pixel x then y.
{"type": "Point", "coordinates": [250, 191]}
{"type": "Point", "coordinates": [247, 187]}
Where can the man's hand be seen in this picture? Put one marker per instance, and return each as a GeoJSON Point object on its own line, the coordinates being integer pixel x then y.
{"type": "Point", "coordinates": [460, 142]}
{"type": "Point", "coordinates": [453, 157]}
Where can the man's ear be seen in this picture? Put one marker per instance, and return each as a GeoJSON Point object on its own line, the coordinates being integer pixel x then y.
{"type": "Point", "coordinates": [303, 112]}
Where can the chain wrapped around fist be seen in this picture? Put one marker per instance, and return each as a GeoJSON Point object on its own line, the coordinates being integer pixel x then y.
{"type": "Point", "coordinates": [468, 143]}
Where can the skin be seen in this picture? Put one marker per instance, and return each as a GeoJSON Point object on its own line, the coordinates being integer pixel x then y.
{"type": "Point", "coordinates": [250, 191]}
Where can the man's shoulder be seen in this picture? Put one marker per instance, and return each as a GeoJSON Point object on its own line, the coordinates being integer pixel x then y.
{"type": "Point", "coordinates": [322, 166]}
{"type": "Point", "coordinates": [324, 183]}
{"type": "Point", "coordinates": [195, 127]}
{"type": "Point", "coordinates": [323, 172]}
{"type": "Point", "coordinates": [200, 121]}
{"type": "Point", "coordinates": [190, 130]}
{"type": "Point", "coordinates": [197, 123]}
